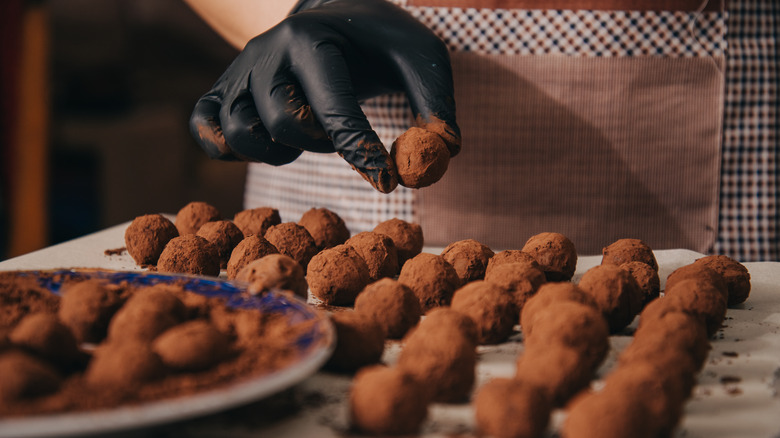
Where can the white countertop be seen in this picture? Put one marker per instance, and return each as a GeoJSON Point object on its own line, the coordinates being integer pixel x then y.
{"type": "Point", "coordinates": [317, 407]}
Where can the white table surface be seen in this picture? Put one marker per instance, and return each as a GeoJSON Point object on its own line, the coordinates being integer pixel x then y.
{"type": "Point", "coordinates": [317, 407]}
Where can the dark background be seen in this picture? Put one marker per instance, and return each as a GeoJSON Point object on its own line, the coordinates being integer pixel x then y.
{"type": "Point", "coordinates": [125, 75]}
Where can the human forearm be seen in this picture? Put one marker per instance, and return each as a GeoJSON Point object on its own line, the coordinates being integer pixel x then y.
{"type": "Point", "coordinates": [238, 21]}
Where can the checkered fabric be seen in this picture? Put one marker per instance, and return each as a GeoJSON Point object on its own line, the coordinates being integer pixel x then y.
{"type": "Point", "coordinates": [748, 200]}
{"type": "Point", "coordinates": [748, 222]}
{"type": "Point", "coordinates": [576, 33]}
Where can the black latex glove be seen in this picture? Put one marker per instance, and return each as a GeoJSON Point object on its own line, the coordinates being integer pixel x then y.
{"type": "Point", "coordinates": [296, 87]}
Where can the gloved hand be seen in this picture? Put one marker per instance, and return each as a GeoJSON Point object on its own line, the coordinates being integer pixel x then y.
{"type": "Point", "coordinates": [296, 87]}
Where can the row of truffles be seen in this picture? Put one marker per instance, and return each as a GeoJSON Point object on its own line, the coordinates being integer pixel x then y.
{"type": "Point", "coordinates": [563, 348]}
{"type": "Point", "coordinates": [645, 395]}
{"type": "Point", "coordinates": [137, 336]}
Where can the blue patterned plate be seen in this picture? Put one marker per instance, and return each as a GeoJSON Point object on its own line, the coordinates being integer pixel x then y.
{"type": "Point", "coordinates": [315, 346]}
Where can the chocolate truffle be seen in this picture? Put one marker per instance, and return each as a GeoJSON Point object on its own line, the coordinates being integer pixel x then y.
{"type": "Point", "coordinates": [441, 357]}
{"type": "Point", "coordinates": [379, 253]}
{"type": "Point", "coordinates": [224, 235]}
{"type": "Point", "coordinates": [326, 227]}
{"type": "Point", "coordinates": [661, 394]}
{"type": "Point", "coordinates": [86, 308]}
{"type": "Point", "coordinates": [337, 275]}
{"type": "Point", "coordinates": [555, 369]}
{"type": "Point", "coordinates": [257, 220]}
{"type": "Point", "coordinates": [407, 237]}
{"type": "Point", "coordinates": [670, 360]}
{"type": "Point", "coordinates": [123, 364]}
{"type": "Point", "coordinates": [147, 313]}
{"type": "Point", "coordinates": [615, 292]}
{"type": "Point", "coordinates": [446, 317]}
{"type": "Point", "coordinates": [23, 376]}
{"type": "Point", "coordinates": [274, 271]}
{"type": "Point", "coordinates": [391, 304]}
{"type": "Point", "coordinates": [146, 237]}
{"type": "Point", "coordinates": [734, 273]}
{"type": "Point", "coordinates": [628, 250]}
{"type": "Point", "coordinates": [432, 279]}
{"type": "Point", "coordinates": [701, 299]}
{"type": "Point", "coordinates": [387, 401]}
{"type": "Point", "coordinates": [511, 256]}
{"type": "Point", "coordinates": [521, 279]}
{"type": "Point", "coordinates": [646, 278]}
{"type": "Point", "coordinates": [469, 258]}
{"type": "Point", "coordinates": [252, 248]}
{"type": "Point", "coordinates": [511, 408]}
{"type": "Point", "coordinates": [555, 253]}
{"type": "Point", "coordinates": [605, 414]}
{"type": "Point", "coordinates": [193, 215]}
{"type": "Point", "coordinates": [189, 254]}
{"type": "Point", "coordinates": [548, 294]}
{"type": "Point", "coordinates": [421, 157]}
{"type": "Point", "coordinates": [293, 241]}
{"type": "Point", "coordinates": [192, 346]}
{"type": "Point", "coordinates": [360, 341]}
{"type": "Point", "coordinates": [44, 335]}
{"type": "Point", "coordinates": [666, 325]}
{"type": "Point", "coordinates": [574, 325]}
{"type": "Point", "coordinates": [491, 307]}
{"type": "Point", "coordinates": [701, 273]}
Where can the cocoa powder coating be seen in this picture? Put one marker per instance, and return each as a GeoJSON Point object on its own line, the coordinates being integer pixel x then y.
{"type": "Point", "coordinates": [387, 401]}
{"type": "Point", "coordinates": [189, 254]}
{"type": "Point", "coordinates": [511, 256]}
{"type": "Point", "coordinates": [224, 235]}
{"type": "Point", "coordinates": [442, 358]}
{"type": "Point", "coordinates": [469, 258]}
{"type": "Point", "coordinates": [700, 299]}
{"type": "Point", "coordinates": [146, 314]}
{"type": "Point", "coordinates": [192, 346]}
{"type": "Point", "coordinates": [734, 273]}
{"type": "Point", "coordinates": [337, 275]}
{"type": "Point", "coordinates": [391, 304]}
{"type": "Point", "coordinates": [574, 325]}
{"type": "Point", "coordinates": [360, 341]}
{"type": "Point", "coordinates": [555, 253]}
{"type": "Point", "coordinates": [548, 294]}
{"type": "Point", "coordinates": [379, 253]}
{"type": "Point", "coordinates": [491, 307]}
{"type": "Point", "coordinates": [123, 364]}
{"type": "Point", "coordinates": [511, 408]}
{"type": "Point", "coordinates": [274, 271]}
{"type": "Point", "coordinates": [432, 279]}
{"type": "Point", "coordinates": [256, 221]}
{"type": "Point", "coordinates": [699, 272]}
{"type": "Point", "coordinates": [421, 157]}
{"type": "Point", "coordinates": [628, 250]}
{"type": "Point", "coordinates": [192, 216]}
{"type": "Point", "coordinates": [646, 278]}
{"type": "Point", "coordinates": [251, 248]}
{"type": "Point", "coordinates": [520, 279]}
{"type": "Point", "coordinates": [616, 293]}
{"type": "Point", "coordinates": [407, 237]}
{"type": "Point", "coordinates": [44, 335]}
{"type": "Point", "coordinates": [23, 376]}
{"type": "Point", "coordinates": [87, 307]}
{"type": "Point", "coordinates": [293, 241]}
{"type": "Point", "coordinates": [326, 227]}
{"type": "Point", "coordinates": [555, 369]}
{"type": "Point", "coordinates": [146, 237]}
